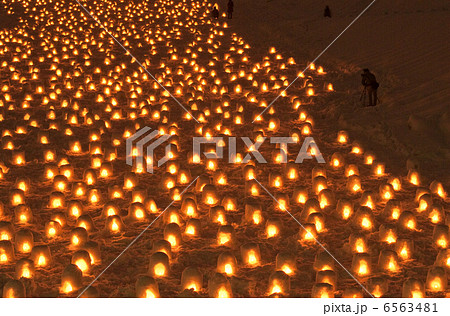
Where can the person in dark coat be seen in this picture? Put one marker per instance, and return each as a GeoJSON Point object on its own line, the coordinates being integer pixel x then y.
{"type": "Point", "coordinates": [327, 12]}
{"type": "Point", "coordinates": [369, 81]}
{"type": "Point", "coordinates": [230, 9]}
{"type": "Point", "coordinates": [215, 13]}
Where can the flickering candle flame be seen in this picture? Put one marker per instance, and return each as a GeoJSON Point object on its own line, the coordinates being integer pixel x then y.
{"type": "Point", "coordinates": [160, 269]}
{"type": "Point", "coordinates": [67, 287]}
{"type": "Point", "coordinates": [395, 213]}
{"type": "Point", "coordinates": [436, 279]}
{"type": "Point", "coordinates": [82, 265]}
{"type": "Point", "coordinates": [210, 200]}
{"type": "Point", "coordinates": [386, 192]}
{"type": "Point", "coordinates": [379, 169]}
{"type": "Point", "coordinates": [391, 238]}
{"type": "Point", "coordinates": [17, 198]}
{"type": "Point", "coordinates": [271, 231]}
{"type": "Point", "coordinates": [407, 220]}
{"type": "Point", "coordinates": [223, 293]}
{"type": "Point", "coordinates": [308, 232]}
{"type": "Point", "coordinates": [413, 177]}
{"type": "Point", "coordinates": [3, 257]}
{"type": "Point", "coordinates": [223, 238]}
{"type": "Point", "coordinates": [360, 246]}
{"type": "Point", "coordinates": [275, 289]}
{"type": "Point", "coordinates": [257, 217]}
{"type": "Point", "coordinates": [356, 187]}
{"type": "Point", "coordinates": [322, 290]}
{"type": "Point", "coordinates": [190, 230]}
{"type": "Point", "coordinates": [363, 268]}
{"type": "Point", "coordinates": [25, 269]}
{"type": "Point", "coordinates": [228, 269]}
{"type": "Point", "coordinates": [436, 215]}
{"type": "Point", "coordinates": [441, 236]}
{"type": "Point", "coordinates": [75, 240]}
{"type": "Point", "coordinates": [413, 288]}
{"type": "Point", "coordinates": [5, 236]}
{"type": "Point", "coordinates": [438, 189]}
{"type": "Point", "coordinates": [320, 183]}
{"type": "Point", "coordinates": [346, 212]}
{"type": "Point", "coordinates": [251, 254]}
{"type": "Point", "coordinates": [361, 264]}
{"type": "Point", "coordinates": [42, 261]}
{"type": "Point", "coordinates": [56, 201]}
{"type": "Point", "coordinates": [356, 150]}
{"type": "Point", "coordinates": [352, 293]}
{"type": "Point", "coordinates": [191, 279]}
{"type": "Point", "coordinates": [377, 291]}
{"type": "Point", "coordinates": [358, 243]}
{"type": "Point", "coordinates": [93, 196]}
{"type": "Point", "coordinates": [318, 221]}
{"type": "Point", "coordinates": [159, 264]}
{"type": "Point", "coordinates": [344, 208]}
{"type": "Point", "coordinates": [287, 269]}
{"type": "Point", "coordinates": [226, 263]}
{"type": "Point", "coordinates": [368, 159]}
{"type": "Point", "coordinates": [76, 147]}
{"type": "Point", "coordinates": [442, 242]}
{"type": "Point", "coordinates": [149, 294]}
{"type": "Point", "coordinates": [129, 184]}
{"type": "Point", "coordinates": [342, 137]}
{"type": "Point", "coordinates": [411, 224]}
{"type": "Point", "coordinates": [425, 201]}
{"type": "Point", "coordinates": [403, 249]}
{"type": "Point", "coordinates": [388, 261]}
{"type": "Point", "coordinates": [366, 223]}
{"type": "Point", "coordinates": [300, 196]}
{"type": "Point", "coordinates": [19, 158]}
{"type": "Point", "coordinates": [396, 184]}
{"type": "Point", "coordinates": [417, 294]}
{"type": "Point", "coordinates": [367, 200]}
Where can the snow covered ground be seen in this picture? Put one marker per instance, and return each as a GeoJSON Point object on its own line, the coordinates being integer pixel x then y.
{"type": "Point", "coordinates": [68, 107]}
{"type": "Point", "coordinates": [406, 45]}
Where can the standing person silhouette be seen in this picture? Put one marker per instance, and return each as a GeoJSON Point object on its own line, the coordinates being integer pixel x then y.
{"type": "Point", "coordinates": [369, 81]}
{"type": "Point", "coordinates": [215, 13]}
{"type": "Point", "coordinates": [327, 12]}
{"type": "Point", "coordinates": [230, 9]}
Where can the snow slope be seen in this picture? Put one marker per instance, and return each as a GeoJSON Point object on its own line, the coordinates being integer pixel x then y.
{"type": "Point", "coordinates": [405, 43]}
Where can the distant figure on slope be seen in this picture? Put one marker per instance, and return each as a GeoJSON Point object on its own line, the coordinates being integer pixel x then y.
{"type": "Point", "coordinates": [215, 13]}
{"type": "Point", "coordinates": [371, 85]}
{"type": "Point", "coordinates": [230, 9]}
{"type": "Point", "coordinates": [327, 12]}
